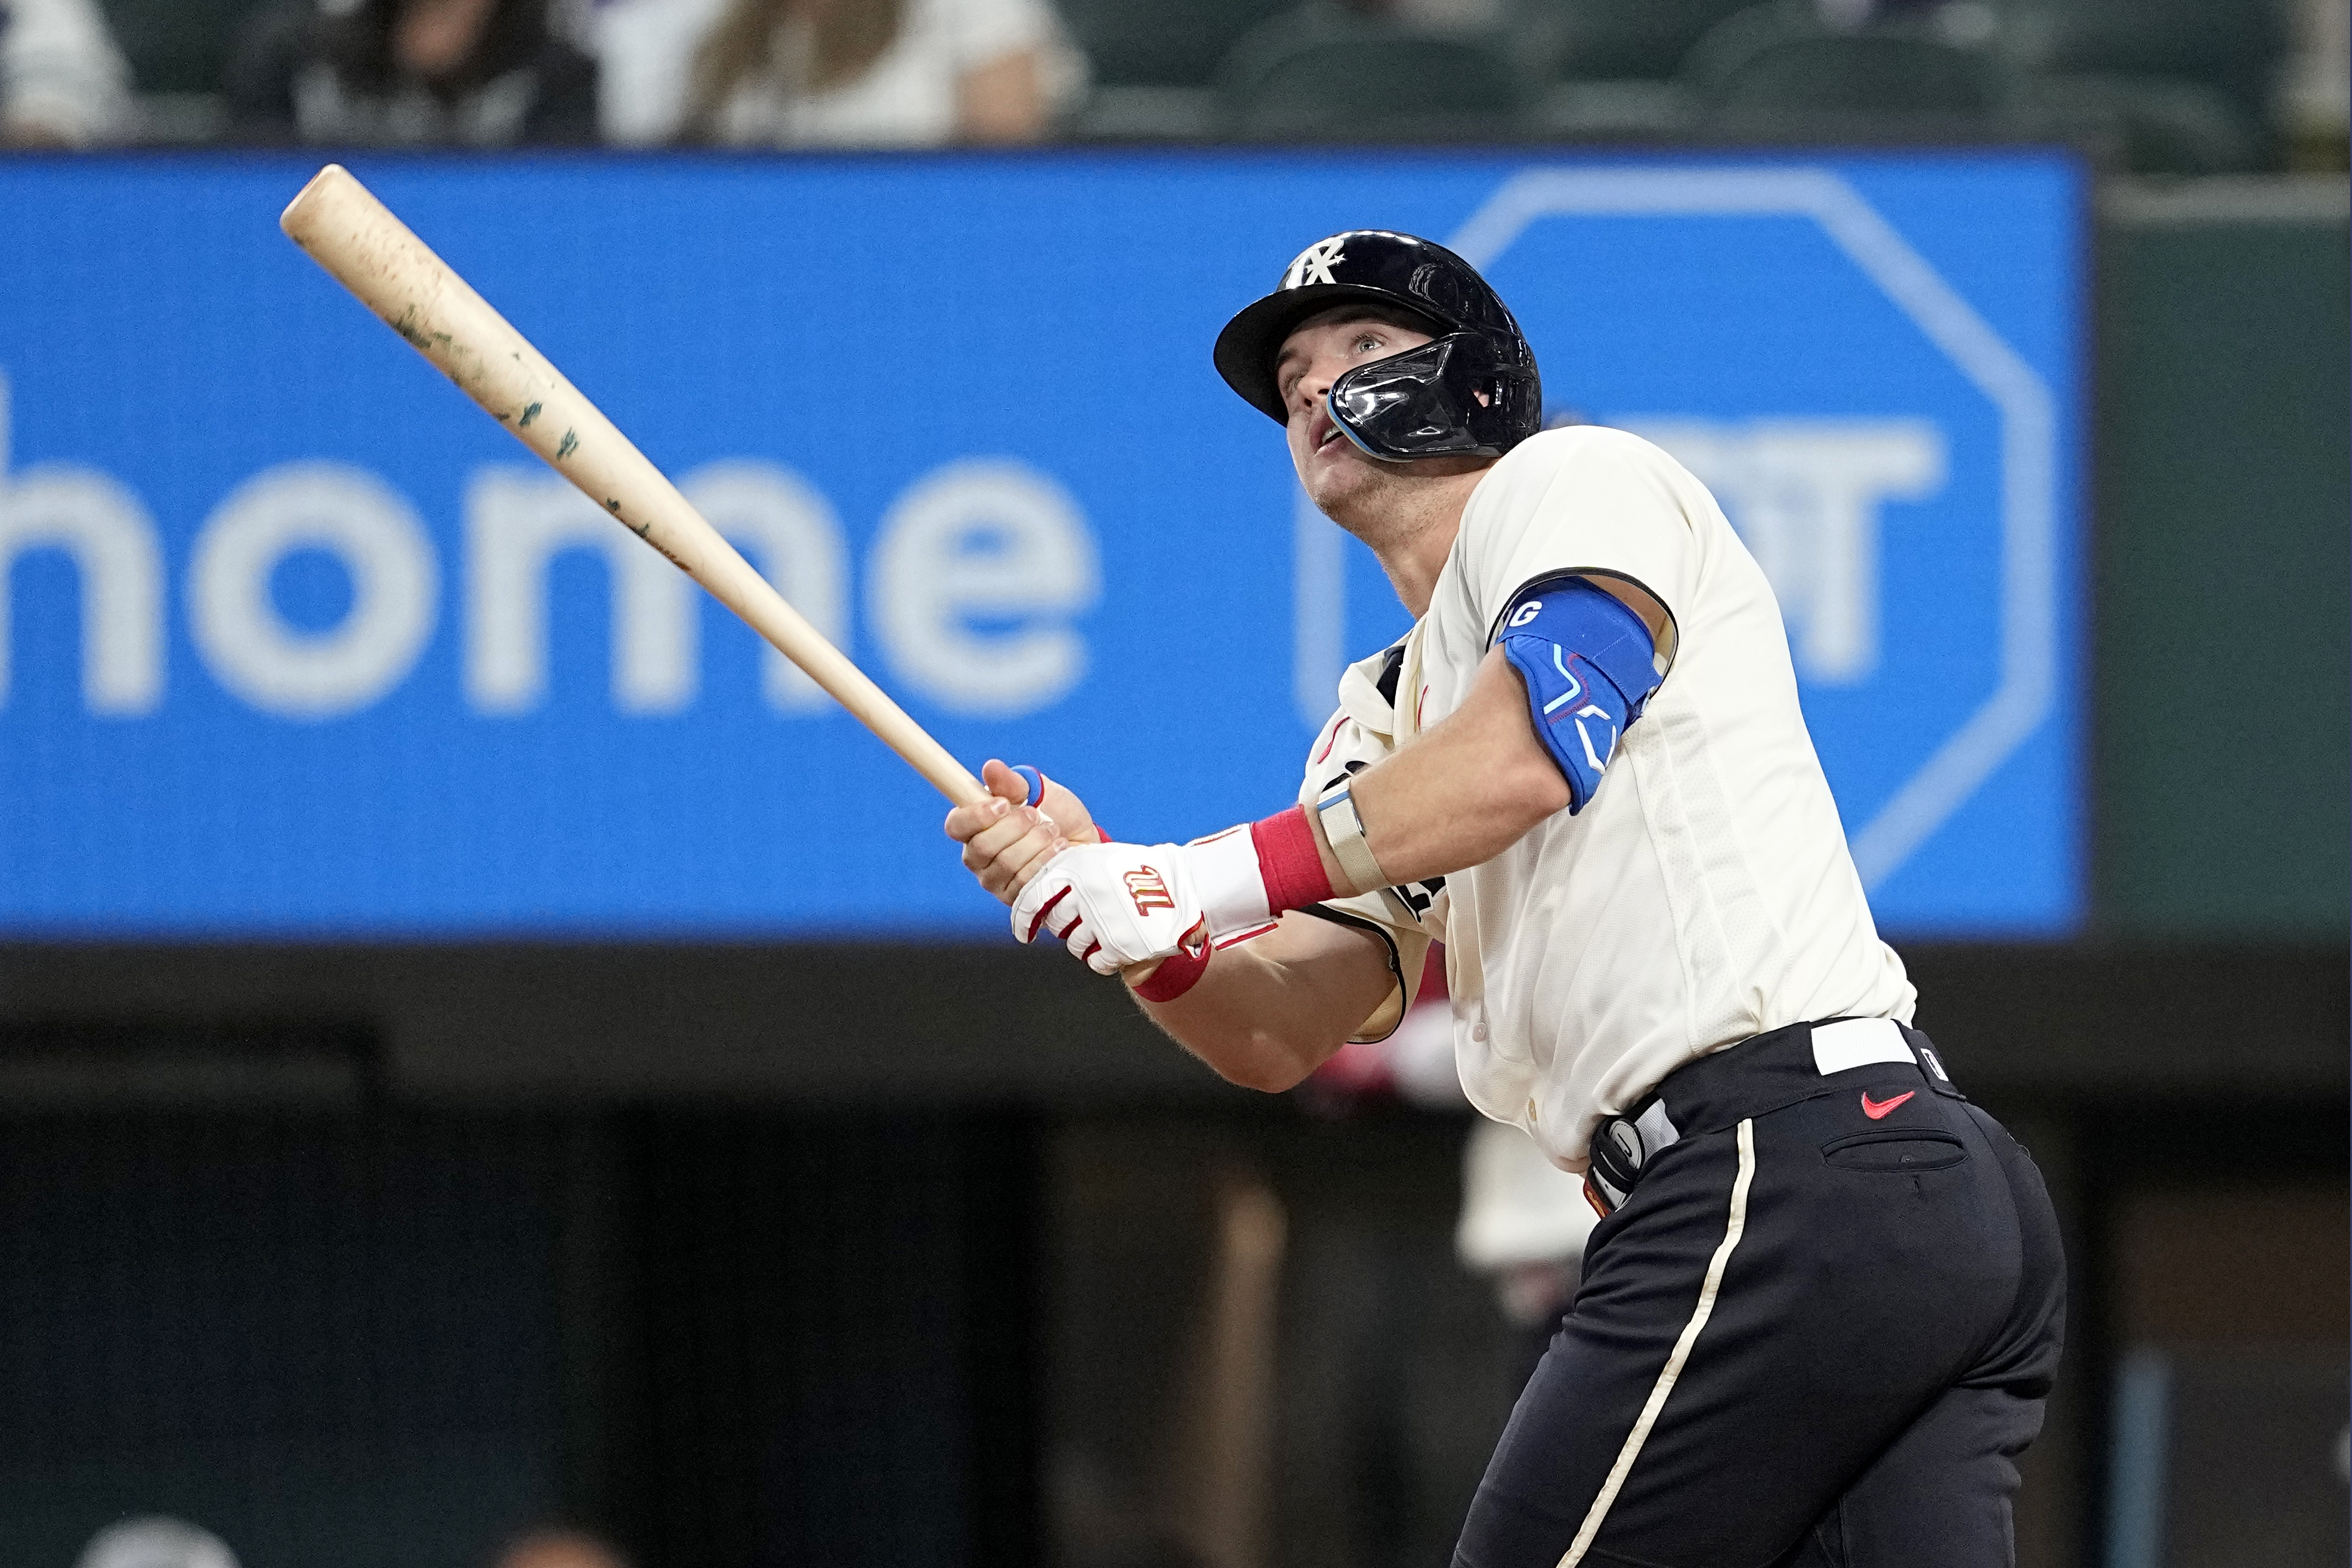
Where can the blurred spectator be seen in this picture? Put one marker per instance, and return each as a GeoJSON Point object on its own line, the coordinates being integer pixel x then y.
{"type": "Point", "coordinates": [834, 73]}
{"type": "Point", "coordinates": [62, 81]}
{"type": "Point", "coordinates": [558, 1549]}
{"type": "Point", "coordinates": [473, 73]}
{"type": "Point", "coordinates": [1524, 1223]}
{"type": "Point", "coordinates": [2315, 96]}
{"type": "Point", "coordinates": [155, 1542]}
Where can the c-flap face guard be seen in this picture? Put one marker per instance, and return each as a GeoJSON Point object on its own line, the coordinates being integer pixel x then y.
{"type": "Point", "coordinates": [1424, 403]}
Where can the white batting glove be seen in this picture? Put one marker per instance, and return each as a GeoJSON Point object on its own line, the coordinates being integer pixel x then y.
{"type": "Point", "coordinates": [1118, 906]}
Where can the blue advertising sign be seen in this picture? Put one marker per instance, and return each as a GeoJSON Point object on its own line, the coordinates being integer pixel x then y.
{"type": "Point", "coordinates": [295, 641]}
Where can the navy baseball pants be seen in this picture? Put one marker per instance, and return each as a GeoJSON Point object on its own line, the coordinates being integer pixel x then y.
{"type": "Point", "coordinates": [1815, 1332]}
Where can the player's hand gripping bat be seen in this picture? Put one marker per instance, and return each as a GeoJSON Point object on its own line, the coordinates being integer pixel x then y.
{"type": "Point", "coordinates": [372, 253]}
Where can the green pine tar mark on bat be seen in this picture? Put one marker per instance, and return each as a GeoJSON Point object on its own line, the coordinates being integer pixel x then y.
{"type": "Point", "coordinates": [406, 327]}
{"type": "Point", "coordinates": [568, 446]}
{"type": "Point", "coordinates": [528, 415]}
{"type": "Point", "coordinates": [612, 505]}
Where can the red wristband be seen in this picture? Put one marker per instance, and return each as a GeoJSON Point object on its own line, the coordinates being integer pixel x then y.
{"type": "Point", "coordinates": [1181, 970]}
{"type": "Point", "coordinates": [1289, 860]}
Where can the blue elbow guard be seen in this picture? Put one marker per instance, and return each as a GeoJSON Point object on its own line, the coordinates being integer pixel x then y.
{"type": "Point", "coordinates": [1587, 663]}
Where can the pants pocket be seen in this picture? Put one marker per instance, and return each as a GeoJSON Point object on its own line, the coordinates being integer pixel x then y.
{"type": "Point", "coordinates": [1902, 1150]}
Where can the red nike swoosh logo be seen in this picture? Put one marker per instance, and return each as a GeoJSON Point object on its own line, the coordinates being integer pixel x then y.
{"type": "Point", "coordinates": [1877, 1109]}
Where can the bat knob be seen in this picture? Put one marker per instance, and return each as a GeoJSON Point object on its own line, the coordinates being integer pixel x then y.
{"type": "Point", "coordinates": [1037, 783]}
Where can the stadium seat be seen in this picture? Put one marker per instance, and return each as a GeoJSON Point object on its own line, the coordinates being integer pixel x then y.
{"type": "Point", "coordinates": [1862, 73]}
{"type": "Point", "coordinates": [1151, 62]}
{"type": "Point", "coordinates": [2233, 46]}
{"type": "Point", "coordinates": [2148, 125]}
{"type": "Point", "coordinates": [1161, 43]}
{"type": "Point", "coordinates": [1318, 74]}
{"type": "Point", "coordinates": [177, 45]}
{"type": "Point", "coordinates": [1776, 72]}
{"type": "Point", "coordinates": [1616, 40]}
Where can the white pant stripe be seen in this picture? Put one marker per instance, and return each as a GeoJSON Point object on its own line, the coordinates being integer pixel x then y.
{"type": "Point", "coordinates": [1673, 1367]}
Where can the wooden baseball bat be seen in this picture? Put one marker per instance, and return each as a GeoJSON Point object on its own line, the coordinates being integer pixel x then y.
{"type": "Point", "coordinates": [372, 253]}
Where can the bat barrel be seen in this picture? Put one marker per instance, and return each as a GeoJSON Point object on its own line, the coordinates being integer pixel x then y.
{"type": "Point", "coordinates": [367, 249]}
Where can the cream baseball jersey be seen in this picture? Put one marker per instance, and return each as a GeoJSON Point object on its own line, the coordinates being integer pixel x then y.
{"type": "Point", "coordinates": [1703, 894]}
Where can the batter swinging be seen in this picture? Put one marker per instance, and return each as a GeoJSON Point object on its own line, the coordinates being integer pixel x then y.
{"type": "Point", "coordinates": [1822, 1309]}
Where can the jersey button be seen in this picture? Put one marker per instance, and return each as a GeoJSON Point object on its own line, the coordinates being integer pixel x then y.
{"type": "Point", "coordinates": [1479, 1031]}
{"type": "Point", "coordinates": [1531, 1112]}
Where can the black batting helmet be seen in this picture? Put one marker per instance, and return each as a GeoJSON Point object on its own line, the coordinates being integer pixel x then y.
{"type": "Point", "coordinates": [1424, 401]}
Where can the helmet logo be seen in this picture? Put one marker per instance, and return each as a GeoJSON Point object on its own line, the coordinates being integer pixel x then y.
{"type": "Point", "coordinates": [1314, 264]}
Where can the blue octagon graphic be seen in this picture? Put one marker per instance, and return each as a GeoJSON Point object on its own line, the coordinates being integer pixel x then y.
{"type": "Point", "coordinates": [1893, 459]}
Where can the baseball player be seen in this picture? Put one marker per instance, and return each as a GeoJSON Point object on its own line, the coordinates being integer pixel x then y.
{"type": "Point", "coordinates": [1822, 1309]}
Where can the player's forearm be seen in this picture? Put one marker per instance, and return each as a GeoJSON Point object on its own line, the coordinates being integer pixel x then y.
{"type": "Point", "coordinates": [1250, 1024]}
{"type": "Point", "coordinates": [1266, 1013]}
{"type": "Point", "coordinates": [1463, 793]}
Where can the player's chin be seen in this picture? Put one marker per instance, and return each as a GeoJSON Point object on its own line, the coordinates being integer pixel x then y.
{"type": "Point", "coordinates": [1337, 474]}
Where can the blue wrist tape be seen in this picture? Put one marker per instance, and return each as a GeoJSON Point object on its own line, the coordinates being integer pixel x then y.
{"type": "Point", "coordinates": [1587, 663]}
